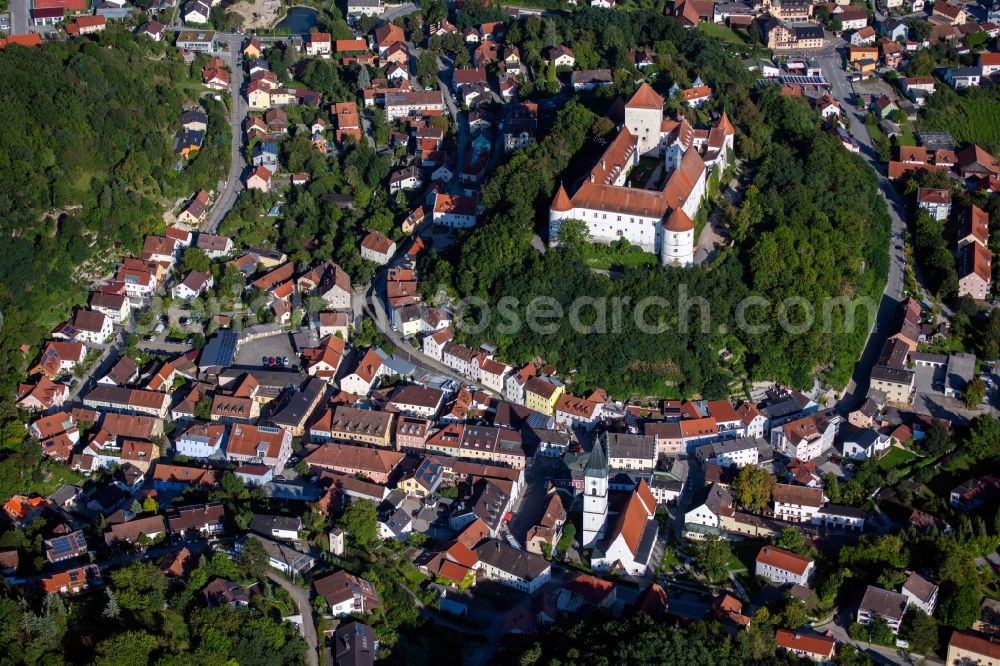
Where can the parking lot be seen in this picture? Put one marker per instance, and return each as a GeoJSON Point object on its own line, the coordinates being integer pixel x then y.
{"type": "Point", "coordinates": [279, 346]}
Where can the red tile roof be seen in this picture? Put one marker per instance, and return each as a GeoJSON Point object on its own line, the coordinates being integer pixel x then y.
{"type": "Point", "coordinates": [783, 559]}
{"type": "Point", "coordinates": [814, 645]}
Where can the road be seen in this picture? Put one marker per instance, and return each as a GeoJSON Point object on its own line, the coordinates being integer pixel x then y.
{"type": "Point", "coordinates": [402, 10]}
{"type": "Point", "coordinates": [234, 182]}
{"type": "Point", "coordinates": [842, 90]}
{"type": "Point", "coordinates": [878, 654]}
{"type": "Point", "coordinates": [375, 309]}
{"type": "Point", "coordinates": [301, 598]}
{"type": "Point", "coordinates": [19, 11]}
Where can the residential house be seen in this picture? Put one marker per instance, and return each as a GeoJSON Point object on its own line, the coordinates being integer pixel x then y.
{"type": "Point", "coordinates": [972, 648]}
{"type": "Point", "coordinates": [378, 248]}
{"type": "Point", "coordinates": [806, 438]}
{"type": "Point", "coordinates": [560, 56]}
{"type": "Point", "coordinates": [796, 504]}
{"type": "Point", "coordinates": [783, 566]}
{"type": "Point", "coordinates": [347, 594]}
{"type": "Point", "coordinates": [921, 593]}
{"type": "Point", "coordinates": [803, 645]}
{"type": "Point", "coordinates": [739, 452]}
{"type": "Point", "coordinates": [204, 519]}
{"type": "Point", "coordinates": [974, 271]}
{"type": "Point", "coordinates": [72, 581]}
{"type": "Point", "coordinates": [362, 379]}
{"type": "Point", "coordinates": [378, 465]}
{"type": "Point", "coordinates": [192, 286]}
{"type": "Point", "coordinates": [891, 606]}
{"type": "Point", "coordinates": [266, 445]}
{"type": "Point", "coordinates": [501, 562]}
{"type": "Point", "coordinates": [259, 178]}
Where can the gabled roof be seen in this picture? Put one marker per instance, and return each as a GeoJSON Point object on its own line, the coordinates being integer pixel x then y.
{"type": "Point", "coordinates": [783, 559]}
{"type": "Point", "coordinates": [645, 98]}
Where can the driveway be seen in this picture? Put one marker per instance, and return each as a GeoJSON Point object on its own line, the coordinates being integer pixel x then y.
{"type": "Point", "coordinates": [301, 598]}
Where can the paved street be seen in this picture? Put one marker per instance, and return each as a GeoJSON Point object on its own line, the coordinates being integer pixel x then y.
{"type": "Point", "coordinates": [842, 91]}
{"type": "Point", "coordinates": [234, 182]}
{"type": "Point", "coordinates": [301, 597]}
{"type": "Point", "coordinates": [19, 12]}
{"type": "Point", "coordinates": [375, 309]}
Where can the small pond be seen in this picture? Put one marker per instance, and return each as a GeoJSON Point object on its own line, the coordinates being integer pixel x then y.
{"type": "Point", "coordinates": [298, 20]}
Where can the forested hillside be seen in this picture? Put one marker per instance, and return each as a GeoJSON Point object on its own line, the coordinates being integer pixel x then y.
{"type": "Point", "coordinates": [86, 166]}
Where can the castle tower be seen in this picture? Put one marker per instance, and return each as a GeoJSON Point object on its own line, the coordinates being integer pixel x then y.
{"type": "Point", "coordinates": [677, 241]}
{"type": "Point", "coordinates": [560, 209]}
{"type": "Point", "coordinates": [643, 117]}
{"type": "Point", "coordinates": [595, 498]}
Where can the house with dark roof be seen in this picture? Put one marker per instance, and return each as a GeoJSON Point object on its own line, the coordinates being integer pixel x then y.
{"type": "Point", "coordinates": [891, 606]}
{"type": "Point", "coordinates": [347, 594]}
{"type": "Point", "coordinates": [501, 562]}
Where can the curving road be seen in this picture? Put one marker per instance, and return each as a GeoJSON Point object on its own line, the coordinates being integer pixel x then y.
{"type": "Point", "coordinates": [842, 91]}
{"type": "Point", "coordinates": [301, 598]}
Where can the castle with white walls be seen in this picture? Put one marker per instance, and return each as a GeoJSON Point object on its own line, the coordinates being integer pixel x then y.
{"type": "Point", "coordinates": [658, 221]}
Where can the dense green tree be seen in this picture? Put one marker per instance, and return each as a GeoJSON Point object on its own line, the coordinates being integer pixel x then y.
{"type": "Point", "coordinates": [711, 557]}
{"type": "Point", "coordinates": [140, 586]}
{"type": "Point", "coordinates": [919, 630]}
{"type": "Point", "coordinates": [752, 487]}
{"type": "Point", "coordinates": [126, 649]}
{"type": "Point", "coordinates": [984, 437]}
{"type": "Point", "coordinates": [361, 523]}
{"type": "Point", "coordinates": [974, 392]}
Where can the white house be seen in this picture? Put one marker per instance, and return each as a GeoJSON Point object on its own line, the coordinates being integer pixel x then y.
{"type": "Point", "coordinates": [378, 248]}
{"type": "Point", "coordinates": [740, 452]}
{"type": "Point", "coordinates": [197, 12]}
{"type": "Point", "coordinates": [878, 602]}
{"type": "Point", "coordinates": [840, 517]}
{"type": "Point", "coordinates": [457, 211]}
{"type": "Point", "coordinates": [708, 506]}
{"type": "Point", "coordinates": [862, 443]}
{"type": "Point", "coordinates": [806, 438]}
{"type": "Point", "coordinates": [796, 504]}
{"type": "Point", "coordinates": [783, 566]}
{"type": "Point", "coordinates": [201, 440]}
{"type": "Point", "coordinates": [521, 570]}
{"type": "Point", "coordinates": [193, 285]}
{"type": "Point", "coordinates": [936, 202]}
{"type": "Point", "coordinates": [433, 345]}
{"type": "Point", "coordinates": [369, 369]}
{"type": "Point", "coordinates": [921, 593]}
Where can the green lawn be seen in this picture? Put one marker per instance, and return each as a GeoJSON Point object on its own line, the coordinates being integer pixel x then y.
{"type": "Point", "coordinates": [895, 457]}
{"type": "Point", "coordinates": [52, 477]}
{"type": "Point", "coordinates": [722, 32]}
{"type": "Point", "coordinates": [906, 138]}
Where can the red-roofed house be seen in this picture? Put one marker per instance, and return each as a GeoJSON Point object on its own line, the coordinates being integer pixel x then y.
{"type": "Point", "coordinates": [783, 566]}
{"type": "Point", "coordinates": [810, 646]}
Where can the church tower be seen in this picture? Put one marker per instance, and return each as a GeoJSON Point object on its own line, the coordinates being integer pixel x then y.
{"type": "Point", "coordinates": [595, 498]}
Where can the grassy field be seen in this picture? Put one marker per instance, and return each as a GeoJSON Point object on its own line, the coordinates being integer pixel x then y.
{"type": "Point", "coordinates": [895, 457]}
{"type": "Point", "coordinates": [722, 32]}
